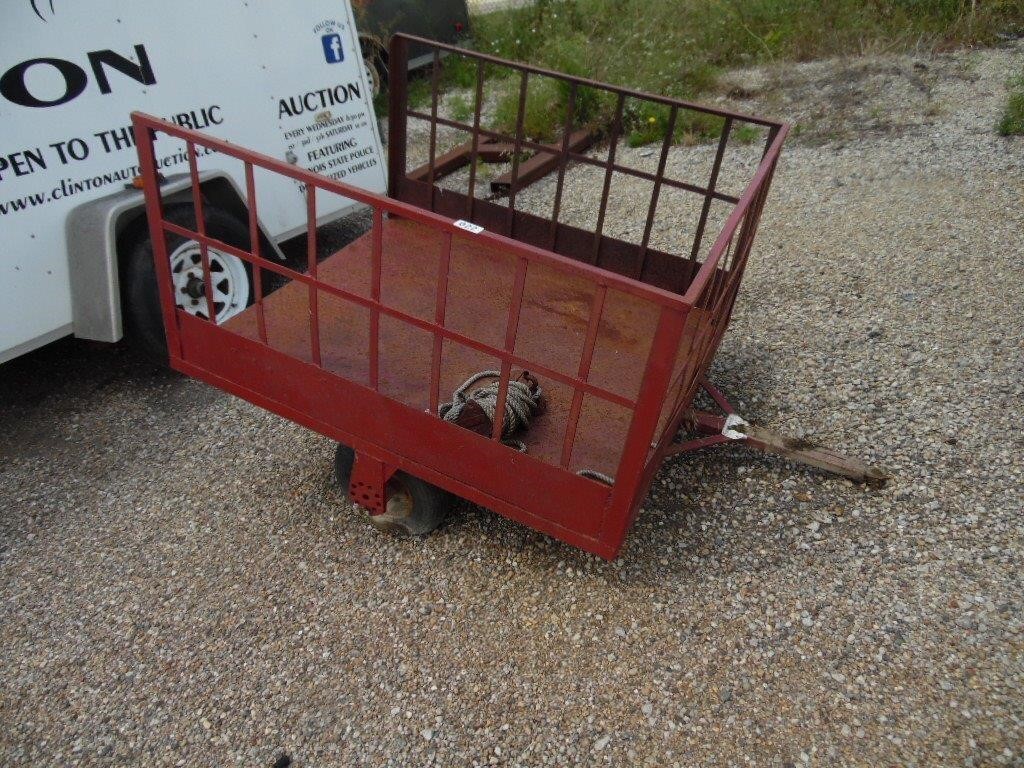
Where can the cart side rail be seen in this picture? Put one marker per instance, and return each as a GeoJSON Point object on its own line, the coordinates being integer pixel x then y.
{"type": "Point", "coordinates": [644, 406]}
{"type": "Point", "coordinates": [143, 122]}
{"type": "Point", "coordinates": [682, 265]}
{"type": "Point", "coordinates": [712, 299]}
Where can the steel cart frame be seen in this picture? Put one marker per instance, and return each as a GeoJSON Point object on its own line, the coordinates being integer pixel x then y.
{"type": "Point", "coordinates": [643, 324]}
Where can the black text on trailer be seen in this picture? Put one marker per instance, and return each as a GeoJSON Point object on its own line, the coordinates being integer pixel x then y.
{"type": "Point", "coordinates": [75, 255]}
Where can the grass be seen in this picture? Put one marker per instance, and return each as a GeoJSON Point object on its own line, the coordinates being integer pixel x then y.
{"type": "Point", "coordinates": [677, 48]}
{"type": "Point", "coordinates": [460, 108]}
{"type": "Point", "coordinates": [648, 123]}
{"type": "Point", "coordinates": [419, 92]}
{"type": "Point", "coordinates": [1012, 122]}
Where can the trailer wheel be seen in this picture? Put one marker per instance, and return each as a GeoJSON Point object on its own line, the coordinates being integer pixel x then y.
{"type": "Point", "coordinates": [414, 507]}
{"type": "Point", "coordinates": [140, 298]}
{"type": "Point", "coordinates": [375, 64]}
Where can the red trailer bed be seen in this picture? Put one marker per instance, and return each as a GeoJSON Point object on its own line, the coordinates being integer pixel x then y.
{"type": "Point", "coordinates": [553, 328]}
{"type": "Point", "coordinates": [366, 345]}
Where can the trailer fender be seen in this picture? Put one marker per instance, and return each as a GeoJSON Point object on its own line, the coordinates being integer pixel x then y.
{"type": "Point", "coordinates": [94, 230]}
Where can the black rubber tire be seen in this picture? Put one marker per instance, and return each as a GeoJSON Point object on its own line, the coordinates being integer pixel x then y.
{"type": "Point", "coordinates": [429, 504]}
{"type": "Point", "coordinates": [140, 299]}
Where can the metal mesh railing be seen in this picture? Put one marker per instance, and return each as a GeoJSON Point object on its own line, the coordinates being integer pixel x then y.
{"type": "Point", "coordinates": [637, 257]}
{"type": "Point", "coordinates": [665, 336]}
{"type": "Point", "coordinates": [707, 277]}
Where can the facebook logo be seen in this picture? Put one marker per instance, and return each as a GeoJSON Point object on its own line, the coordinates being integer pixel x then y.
{"type": "Point", "coordinates": [332, 48]}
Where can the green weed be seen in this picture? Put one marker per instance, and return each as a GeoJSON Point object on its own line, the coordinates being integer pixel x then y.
{"type": "Point", "coordinates": [746, 134]}
{"type": "Point", "coordinates": [1012, 122]}
{"type": "Point", "coordinates": [677, 47]}
{"type": "Point", "coordinates": [460, 108]}
{"type": "Point", "coordinates": [419, 92]}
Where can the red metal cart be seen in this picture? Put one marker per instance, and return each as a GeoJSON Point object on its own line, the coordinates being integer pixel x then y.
{"type": "Point", "coordinates": [365, 345]}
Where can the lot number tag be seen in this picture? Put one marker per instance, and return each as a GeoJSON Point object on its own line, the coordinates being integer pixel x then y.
{"type": "Point", "coordinates": [469, 226]}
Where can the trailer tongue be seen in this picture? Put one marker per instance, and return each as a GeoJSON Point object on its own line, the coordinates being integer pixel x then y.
{"type": "Point", "coordinates": [365, 345]}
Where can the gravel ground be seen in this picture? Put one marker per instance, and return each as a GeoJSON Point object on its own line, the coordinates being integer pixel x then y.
{"type": "Point", "coordinates": [184, 585]}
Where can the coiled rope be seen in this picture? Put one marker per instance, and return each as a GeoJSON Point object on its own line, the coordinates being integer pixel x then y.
{"type": "Point", "coordinates": [524, 400]}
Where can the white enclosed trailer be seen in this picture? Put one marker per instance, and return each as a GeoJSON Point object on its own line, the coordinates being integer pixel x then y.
{"type": "Point", "coordinates": [286, 79]}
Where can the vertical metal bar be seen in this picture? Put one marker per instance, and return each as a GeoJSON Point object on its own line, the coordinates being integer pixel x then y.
{"type": "Point", "coordinates": [586, 358]}
{"type": "Point", "coordinates": [688, 343]}
{"type": "Point", "coordinates": [499, 408]}
{"type": "Point", "coordinates": [440, 305]}
{"type": "Point", "coordinates": [311, 267]}
{"type": "Point", "coordinates": [563, 162]}
{"type": "Point", "coordinates": [144, 136]}
{"type": "Point", "coordinates": [766, 185]}
{"type": "Point", "coordinates": [254, 248]}
{"type": "Point", "coordinates": [726, 261]}
{"type": "Point", "coordinates": [641, 259]}
{"type": "Point", "coordinates": [699, 236]}
{"type": "Point", "coordinates": [204, 251]}
{"type": "Point", "coordinates": [511, 331]}
{"type": "Point", "coordinates": [710, 330]}
{"type": "Point", "coordinates": [517, 146]}
{"type": "Point", "coordinates": [398, 112]}
{"type": "Point", "coordinates": [714, 284]}
{"type": "Point", "coordinates": [726, 279]}
{"type": "Point", "coordinates": [197, 202]}
{"type": "Point", "coordinates": [772, 133]}
{"type": "Point", "coordinates": [614, 140]}
{"type": "Point", "coordinates": [716, 394]}
{"type": "Point", "coordinates": [747, 236]}
{"type": "Point", "coordinates": [378, 244]}
{"type": "Point", "coordinates": [471, 195]}
{"type": "Point", "coordinates": [748, 228]}
{"type": "Point", "coordinates": [434, 77]}
{"type": "Point", "coordinates": [653, 389]}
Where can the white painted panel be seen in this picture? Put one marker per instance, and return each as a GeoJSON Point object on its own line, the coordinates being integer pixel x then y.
{"type": "Point", "coordinates": [284, 79]}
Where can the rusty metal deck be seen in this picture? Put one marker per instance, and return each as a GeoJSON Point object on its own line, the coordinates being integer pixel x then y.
{"type": "Point", "coordinates": [553, 326]}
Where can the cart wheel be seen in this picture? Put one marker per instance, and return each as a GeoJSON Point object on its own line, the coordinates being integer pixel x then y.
{"type": "Point", "coordinates": [140, 298]}
{"type": "Point", "coordinates": [414, 507]}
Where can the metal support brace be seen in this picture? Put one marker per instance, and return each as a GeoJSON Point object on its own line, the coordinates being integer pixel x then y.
{"type": "Point", "coordinates": [368, 483]}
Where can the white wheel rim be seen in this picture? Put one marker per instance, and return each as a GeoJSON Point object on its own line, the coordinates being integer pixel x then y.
{"type": "Point", "coordinates": [371, 76]}
{"type": "Point", "coordinates": [230, 281]}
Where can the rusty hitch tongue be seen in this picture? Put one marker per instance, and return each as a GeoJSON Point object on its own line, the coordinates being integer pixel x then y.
{"type": "Point", "coordinates": [734, 427]}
